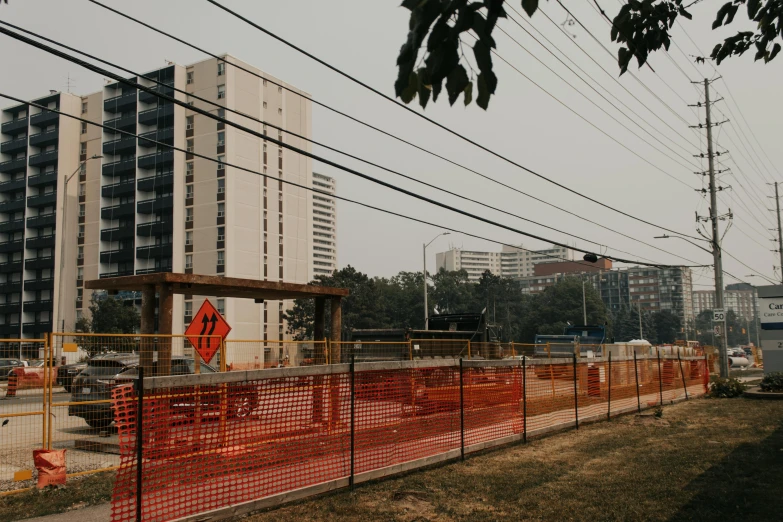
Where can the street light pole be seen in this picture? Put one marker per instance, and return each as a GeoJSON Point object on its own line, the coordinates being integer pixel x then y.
{"type": "Point", "coordinates": [424, 251]}
{"type": "Point", "coordinates": [63, 238]}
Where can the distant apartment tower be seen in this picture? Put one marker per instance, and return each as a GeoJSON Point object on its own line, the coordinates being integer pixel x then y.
{"type": "Point", "coordinates": [741, 298]}
{"type": "Point", "coordinates": [511, 262]}
{"type": "Point", "coordinates": [38, 149]}
{"type": "Point", "coordinates": [324, 217]}
{"type": "Point", "coordinates": [145, 208]}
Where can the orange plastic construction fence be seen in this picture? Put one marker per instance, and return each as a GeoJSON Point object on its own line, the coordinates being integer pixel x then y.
{"type": "Point", "coordinates": [214, 441]}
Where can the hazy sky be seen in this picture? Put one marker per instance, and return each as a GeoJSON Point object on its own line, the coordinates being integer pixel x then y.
{"type": "Point", "coordinates": [523, 122]}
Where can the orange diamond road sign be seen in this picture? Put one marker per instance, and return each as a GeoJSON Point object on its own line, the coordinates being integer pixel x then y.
{"type": "Point", "coordinates": [207, 321]}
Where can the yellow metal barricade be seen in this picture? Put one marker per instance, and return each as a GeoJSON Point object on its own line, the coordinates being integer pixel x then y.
{"type": "Point", "coordinates": [261, 354]}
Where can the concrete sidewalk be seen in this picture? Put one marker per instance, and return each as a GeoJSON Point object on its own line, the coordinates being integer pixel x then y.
{"type": "Point", "coordinates": [99, 513]}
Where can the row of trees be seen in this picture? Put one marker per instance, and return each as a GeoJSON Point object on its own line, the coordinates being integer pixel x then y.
{"type": "Point", "coordinates": [397, 302]}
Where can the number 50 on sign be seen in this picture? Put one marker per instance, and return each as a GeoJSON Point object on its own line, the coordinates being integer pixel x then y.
{"type": "Point", "coordinates": [718, 316]}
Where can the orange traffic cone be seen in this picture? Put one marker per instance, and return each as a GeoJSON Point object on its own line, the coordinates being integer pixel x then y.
{"type": "Point", "coordinates": [10, 392]}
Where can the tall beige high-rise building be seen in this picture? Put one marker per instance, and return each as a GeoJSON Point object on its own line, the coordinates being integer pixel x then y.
{"type": "Point", "coordinates": [144, 208]}
{"type": "Point", "coordinates": [324, 225]}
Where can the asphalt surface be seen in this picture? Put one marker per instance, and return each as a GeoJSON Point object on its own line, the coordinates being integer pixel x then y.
{"type": "Point", "coordinates": [99, 513]}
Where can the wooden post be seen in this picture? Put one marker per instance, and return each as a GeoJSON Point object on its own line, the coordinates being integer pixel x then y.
{"type": "Point", "coordinates": [334, 389]}
{"type": "Point", "coordinates": [166, 303]}
{"type": "Point", "coordinates": [318, 380]}
{"type": "Point", "coordinates": [147, 327]}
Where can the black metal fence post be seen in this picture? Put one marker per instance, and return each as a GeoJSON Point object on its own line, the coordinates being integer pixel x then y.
{"type": "Point", "coordinates": [609, 379]}
{"type": "Point", "coordinates": [353, 419]}
{"type": "Point", "coordinates": [576, 396]}
{"type": "Point", "coordinates": [139, 440]}
{"type": "Point", "coordinates": [461, 413]}
{"type": "Point", "coordinates": [524, 398]}
{"type": "Point", "coordinates": [660, 374]}
{"type": "Point", "coordinates": [682, 374]}
{"type": "Point", "coordinates": [636, 375]}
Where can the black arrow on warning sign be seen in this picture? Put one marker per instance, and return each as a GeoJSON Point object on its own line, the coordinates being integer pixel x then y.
{"type": "Point", "coordinates": [204, 322]}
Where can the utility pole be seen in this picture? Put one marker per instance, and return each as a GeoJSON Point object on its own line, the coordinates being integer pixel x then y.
{"type": "Point", "coordinates": [717, 255]}
{"type": "Point", "coordinates": [584, 302]}
{"type": "Point", "coordinates": [780, 233]}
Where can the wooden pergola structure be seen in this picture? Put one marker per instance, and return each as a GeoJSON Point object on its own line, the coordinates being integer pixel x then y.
{"type": "Point", "coordinates": [166, 284]}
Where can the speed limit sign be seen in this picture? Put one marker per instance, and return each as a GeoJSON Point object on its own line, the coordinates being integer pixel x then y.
{"type": "Point", "coordinates": [718, 316]}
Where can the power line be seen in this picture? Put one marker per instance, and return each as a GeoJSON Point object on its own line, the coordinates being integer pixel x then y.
{"type": "Point", "coordinates": [386, 133]}
{"type": "Point", "coordinates": [405, 107]}
{"type": "Point", "coordinates": [573, 41]}
{"type": "Point", "coordinates": [634, 121]}
{"type": "Point", "coordinates": [282, 144]}
{"type": "Point", "coordinates": [194, 96]}
{"type": "Point", "coordinates": [291, 183]}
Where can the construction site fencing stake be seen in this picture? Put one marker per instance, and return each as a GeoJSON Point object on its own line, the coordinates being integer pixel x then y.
{"type": "Point", "coordinates": [461, 413]}
{"type": "Point", "coordinates": [636, 376]}
{"type": "Point", "coordinates": [609, 380]}
{"type": "Point", "coordinates": [684, 386]}
{"type": "Point", "coordinates": [139, 437]}
{"type": "Point", "coordinates": [524, 398]}
{"type": "Point", "coordinates": [576, 397]}
{"type": "Point", "coordinates": [660, 375]}
{"type": "Point", "coordinates": [353, 418]}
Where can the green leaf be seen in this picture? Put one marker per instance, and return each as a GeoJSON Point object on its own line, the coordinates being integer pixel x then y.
{"type": "Point", "coordinates": [424, 87]}
{"type": "Point", "coordinates": [409, 92]}
{"type": "Point", "coordinates": [483, 55]}
{"type": "Point", "coordinates": [412, 4]}
{"type": "Point", "coordinates": [775, 51]}
{"type": "Point", "coordinates": [468, 93]}
{"type": "Point", "coordinates": [530, 6]}
{"type": "Point", "coordinates": [456, 82]}
{"type": "Point", "coordinates": [753, 8]}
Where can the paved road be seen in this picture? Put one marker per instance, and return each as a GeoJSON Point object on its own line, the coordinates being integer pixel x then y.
{"type": "Point", "coordinates": [99, 513]}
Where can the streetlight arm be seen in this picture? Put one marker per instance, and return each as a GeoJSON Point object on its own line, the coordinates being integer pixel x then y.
{"type": "Point", "coordinates": [678, 237]}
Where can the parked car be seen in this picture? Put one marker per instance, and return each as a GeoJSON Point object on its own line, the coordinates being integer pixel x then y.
{"type": "Point", "coordinates": [68, 372]}
{"type": "Point", "coordinates": [103, 373]}
{"type": "Point", "coordinates": [31, 375]}
{"type": "Point", "coordinates": [7, 365]}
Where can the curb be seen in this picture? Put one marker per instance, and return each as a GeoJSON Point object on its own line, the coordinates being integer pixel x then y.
{"type": "Point", "coordinates": [756, 393]}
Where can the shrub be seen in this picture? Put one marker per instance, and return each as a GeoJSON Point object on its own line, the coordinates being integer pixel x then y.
{"type": "Point", "coordinates": [772, 382]}
{"type": "Point", "coordinates": [726, 388]}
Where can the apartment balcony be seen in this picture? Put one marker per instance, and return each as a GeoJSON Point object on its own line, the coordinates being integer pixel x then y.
{"type": "Point", "coordinates": [158, 182]}
{"type": "Point", "coordinates": [12, 205]}
{"type": "Point", "coordinates": [126, 123]}
{"type": "Point", "coordinates": [42, 200]}
{"type": "Point", "coordinates": [156, 160]}
{"type": "Point", "coordinates": [13, 166]}
{"type": "Point", "coordinates": [45, 178]}
{"type": "Point", "coordinates": [120, 146]}
{"type": "Point", "coordinates": [39, 263]}
{"type": "Point", "coordinates": [155, 205]}
{"type": "Point", "coordinates": [117, 256]}
{"type": "Point", "coordinates": [10, 267]}
{"type": "Point", "coordinates": [43, 220]}
{"type": "Point", "coordinates": [116, 274]}
{"type": "Point", "coordinates": [14, 126]}
{"type": "Point", "coordinates": [39, 284]}
{"type": "Point", "coordinates": [43, 159]}
{"type": "Point", "coordinates": [118, 211]}
{"type": "Point", "coordinates": [162, 116]}
{"type": "Point", "coordinates": [154, 251]}
{"type": "Point", "coordinates": [14, 146]}
{"type": "Point", "coordinates": [38, 306]}
{"type": "Point", "coordinates": [147, 97]}
{"type": "Point", "coordinates": [116, 190]}
{"type": "Point", "coordinates": [44, 138]}
{"type": "Point", "coordinates": [10, 287]}
{"type": "Point", "coordinates": [122, 103]}
{"type": "Point", "coordinates": [154, 228]}
{"type": "Point", "coordinates": [155, 270]}
{"type": "Point", "coordinates": [44, 118]}
{"type": "Point", "coordinates": [34, 243]}
{"type": "Point", "coordinates": [12, 185]}
{"type": "Point", "coordinates": [37, 329]}
{"type": "Point", "coordinates": [161, 135]}
{"type": "Point", "coordinates": [10, 308]}
{"type": "Point", "coordinates": [9, 330]}
{"type": "Point", "coordinates": [119, 168]}
{"type": "Point", "coordinates": [116, 233]}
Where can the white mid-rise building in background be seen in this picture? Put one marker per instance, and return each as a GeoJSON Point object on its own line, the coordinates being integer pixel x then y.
{"type": "Point", "coordinates": [511, 262]}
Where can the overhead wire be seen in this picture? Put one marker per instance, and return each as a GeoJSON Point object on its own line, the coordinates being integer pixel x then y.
{"type": "Point", "coordinates": [310, 155]}
{"type": "Point", "coordinates": [294, 184]}
{"type": "Point", "coordinates": [426, 118]}
{"type": "Point", "coordinates": [632, 120]}
{"type": "Point", "coordinates": [386, 133]}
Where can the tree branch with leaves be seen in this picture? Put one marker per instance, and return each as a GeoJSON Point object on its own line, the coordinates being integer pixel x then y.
{"type": "Point", "coordinates": [434, 51]}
